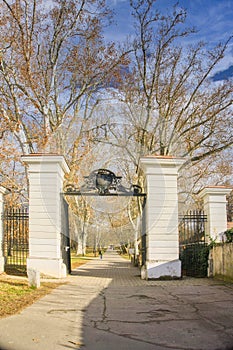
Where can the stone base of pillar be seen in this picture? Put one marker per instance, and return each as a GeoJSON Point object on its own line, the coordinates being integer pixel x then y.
{"type": "Point", "coordinates": [161, 270]}
{"type": "Point", "coordinates": [2, 264]}
{"type": "Point", "coordinates": [51, 267]}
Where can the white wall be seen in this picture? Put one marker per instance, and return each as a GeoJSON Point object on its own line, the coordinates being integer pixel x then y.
{"type": "Point", "coordinates": [46, 175]}
{"type": "Point", "coordinates": [161, 216]}
{"type": "Point", "coordinates": [214, 200]}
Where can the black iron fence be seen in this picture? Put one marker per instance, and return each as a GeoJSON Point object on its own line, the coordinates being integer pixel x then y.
{"type": "Point", "coordinates": [65, 235]}
{"type": "Point", "coordinates": [15, 239]}
{"type": "Point", "coordinates": [194, 250]}
{"type": "Point", "coordinates": [194, 259]}
{"type": "Point", "coordinates": [192, 227]}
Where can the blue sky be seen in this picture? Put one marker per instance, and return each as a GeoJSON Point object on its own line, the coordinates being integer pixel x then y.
{"type": "Point", "coordinates": [212, 18]}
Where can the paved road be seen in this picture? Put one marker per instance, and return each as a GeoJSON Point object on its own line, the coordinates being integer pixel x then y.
{"type": "Point", "coordinates": [106, 306]}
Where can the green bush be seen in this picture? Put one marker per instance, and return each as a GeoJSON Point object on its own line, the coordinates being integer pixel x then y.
{"type": "Point", "coordinates": [229, 235]}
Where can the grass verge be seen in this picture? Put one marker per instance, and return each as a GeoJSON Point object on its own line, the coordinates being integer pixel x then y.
{"type": "Point", "coordinates": [15, 294]}
{"type": "Point", "coordinates": [78, 260]}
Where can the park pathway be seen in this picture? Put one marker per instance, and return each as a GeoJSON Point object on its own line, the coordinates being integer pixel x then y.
{"type": "Point", "coordinates": [106, 306]}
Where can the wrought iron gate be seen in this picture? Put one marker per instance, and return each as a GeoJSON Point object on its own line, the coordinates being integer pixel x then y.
{"type": "Point", "coordinates": [15, 240]}
{"type": "Point", "coordinates": [65, 235]}
{"type": "Point", "coordinates": [103, 182]}
{"type": "Point", "coordinates": [194, 250]}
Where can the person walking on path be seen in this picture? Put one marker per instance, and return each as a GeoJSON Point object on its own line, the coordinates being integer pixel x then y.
{"type": "Point", "coordinates": [100, 254]}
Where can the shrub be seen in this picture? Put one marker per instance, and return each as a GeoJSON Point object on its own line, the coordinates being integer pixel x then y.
{"type": "Point", "coordinates": [229, 235]}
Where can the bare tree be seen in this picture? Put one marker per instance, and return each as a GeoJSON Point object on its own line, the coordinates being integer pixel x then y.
{"type": "Point", "coordinates": [171, 105]}
{"type": "Point", "coordinates": [185, 113]}
{"type": "Point", "coordinates": [53, 65]}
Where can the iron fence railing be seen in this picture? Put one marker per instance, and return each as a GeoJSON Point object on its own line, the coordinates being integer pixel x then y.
{"type": "Point", "coordinates": [15, 240]}
{"type": "Point", "coordinates": [192, 227]}
{"type": "Point", "coordinates": [194, 250]}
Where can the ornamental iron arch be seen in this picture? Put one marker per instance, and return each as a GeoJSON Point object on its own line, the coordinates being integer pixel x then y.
{"type": "Point", "coordinates": [103, 182]}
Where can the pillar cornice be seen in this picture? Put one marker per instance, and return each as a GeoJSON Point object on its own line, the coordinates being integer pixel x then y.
{"type": "Point", "coordinates": [40, 158]}
{"type": "Point", "coordinates": [154, 164]}
{"type": "Point", "coordinates": [215, 190]}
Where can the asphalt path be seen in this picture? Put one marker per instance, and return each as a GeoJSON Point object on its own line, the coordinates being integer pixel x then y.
{"type": "Point", "coordinates": [106, 306]}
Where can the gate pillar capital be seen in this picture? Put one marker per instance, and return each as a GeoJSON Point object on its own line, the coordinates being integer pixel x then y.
{"type": "Point", "coordinates": [161, 164]}
{"type": "Point", "coordinates": [46, 174]}
{"type": "Point", "coordinates": [161, 217]}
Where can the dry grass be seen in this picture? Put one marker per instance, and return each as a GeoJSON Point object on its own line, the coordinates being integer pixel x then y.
{"type": "Point", "coordinates": [78, 260]}
{"type": "Point", "coordinates": [15, 294]}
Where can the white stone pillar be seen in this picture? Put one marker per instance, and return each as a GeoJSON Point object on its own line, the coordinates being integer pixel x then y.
{"type": "Point", "coordinates": [214, 199]}
{"type": "Point", "coordinates": [2, 259]}
{"type": "Point", "coordinates": [161, 217]}
{"type": "Point", "coordinates": [46, 174]}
